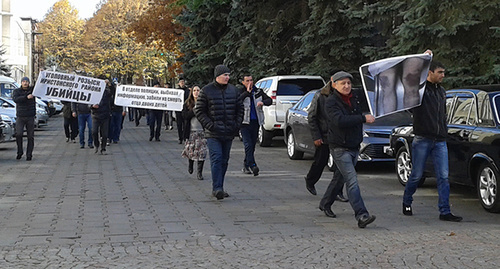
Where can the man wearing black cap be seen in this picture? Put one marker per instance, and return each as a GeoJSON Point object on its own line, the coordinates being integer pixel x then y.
{"type": "Point", "coordinates": [220, 112]}
{"type": "Point", "coordinates": [345, 133]}
{"type": "Point", "coordinates": [25, 112]}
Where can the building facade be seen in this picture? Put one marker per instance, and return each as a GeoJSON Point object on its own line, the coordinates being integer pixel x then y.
{"type": "Point", "coordinates": [17, 41]}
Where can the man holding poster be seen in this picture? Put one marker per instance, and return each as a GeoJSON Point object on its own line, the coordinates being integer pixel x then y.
{"type": "Point", "coordinates": [430, 130]}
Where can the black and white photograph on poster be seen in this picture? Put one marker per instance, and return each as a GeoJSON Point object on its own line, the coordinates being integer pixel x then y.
{"type": "Point", "coordinates": [396, 83]}
{"type": "Point", "coordinates": [69, 87]}
{"type": "Point", "coordinates": [149, 97]}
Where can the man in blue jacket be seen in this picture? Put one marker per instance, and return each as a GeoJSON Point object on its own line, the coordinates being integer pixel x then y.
{"type": "Point", "coordinates": [220, 112]}
{"type": "Point", "coordinates": [25, 113]}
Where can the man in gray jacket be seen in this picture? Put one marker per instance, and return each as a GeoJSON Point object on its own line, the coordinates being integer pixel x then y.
{"type": "Point", "coordinates": [253, 100]}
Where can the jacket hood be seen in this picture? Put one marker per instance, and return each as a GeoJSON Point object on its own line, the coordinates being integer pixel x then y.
{"type": "Point", "coordinates": [327, 89]}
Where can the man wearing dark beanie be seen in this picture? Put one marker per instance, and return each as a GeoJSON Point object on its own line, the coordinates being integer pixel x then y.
{"type": "Point", "coordinates": [25, 112]}
{"type": "Point", "coordinates": [220, 112]}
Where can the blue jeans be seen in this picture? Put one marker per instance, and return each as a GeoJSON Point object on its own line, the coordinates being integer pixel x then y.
{"type": "Point", "coordinates": [346, 160]}
{"type": "Point", "coordinates": [219, 150]}
{"type": "Point", "coordinates": [250, 132]}
{"type": "Point", "coordinates": [85, 119]}
{"type": "Point", "coordinates": [115, 126]}
{"type": "Point", "coordinates": [421, 149]}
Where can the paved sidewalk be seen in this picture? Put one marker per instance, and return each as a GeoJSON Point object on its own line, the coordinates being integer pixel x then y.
{"type": "Point", "coordinates": [138, 207]}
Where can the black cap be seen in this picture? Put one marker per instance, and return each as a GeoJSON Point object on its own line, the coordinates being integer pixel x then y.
{"type": "Point", "coordinates": [221, 69]}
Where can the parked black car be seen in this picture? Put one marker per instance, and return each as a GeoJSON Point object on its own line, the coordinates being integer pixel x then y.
{"type": "Point", "coordinates": [299, 140]}
{"type": "Point", "coordinates": [473, 142]}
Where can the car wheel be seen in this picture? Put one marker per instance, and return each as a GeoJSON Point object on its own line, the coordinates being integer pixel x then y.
{"type": "Point", "coordinates": [487, 188]}
{"type": "Point", "coordinates": [292, 151]}
{"type": "Point", "coordinates": [403, 167]}
{"type": "Point", "coordinates": [330, 163]}
{"type": "Point", "coordinates": [265, 137]}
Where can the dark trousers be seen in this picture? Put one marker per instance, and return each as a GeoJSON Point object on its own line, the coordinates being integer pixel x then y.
{"type": "Point", "coordinates": [29, 122]}
{"type": "Point", "coordinates": [131, 112]}
{"type": "Point", "coordinates": [336, 185]}
{"type": "Point", "coordinates": [100, 127]}
{"type": "Point", "coordinates": [219, 150]}
{"type": "Point", "coordinates": [320, 160]}
{"type": "Point", "coordinates": [250, 133]}
{"type": "Point", "coordinates": [155, 117]}
{"type": "Point", "coordinates": [115, 126]}
{"type": "Point", "coordinates": [139, 112]}
{"type": "Point", "coordinates": [71, 127]}
{"type": "Point", "coordinates": [180, 120]}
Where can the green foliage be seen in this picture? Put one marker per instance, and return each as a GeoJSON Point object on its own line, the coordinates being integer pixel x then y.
{"type": "Point", "coordinates": [322, 36]}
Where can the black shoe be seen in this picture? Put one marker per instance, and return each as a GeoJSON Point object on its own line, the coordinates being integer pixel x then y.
{"type": "Point", "coordinates": [150, 138]}
{"type": "Point", "coordinates": [246, 170]}
{"type": "Point", "coordinates": [82, 146]}
{"type": "Point", "coordinates": [18, 157]}
{"type": "Point", "coordinates": [255, 170]}
{"type": "Point", "coordinates": [180, 141]}
{"type": "Point", "coordinates": [341, 198]}
{"type": "Point", "coordinates": [190, 166]}
{"type": "Point", "coordinates": [157, 140]}
{"type": "Point", "coordinates": [28, 158]}
{"type": "Point", "coordinates": [96, 150]}
{"type": "Point", "coordinates": [450, 217]}
{"type": "Point", "coordinates": [219, 194]}
{"type": "Point", "coordinates": [310, 188]}
{"type": "Point", "coordinates": [115, 142]}
{"type": "Point", "coordinates": [328, 212]}
{"type": "Point", "coordinates": [91, 147]}
{"type": "Point", "coordinates": [67, 139]}
{"type": "Point", "coordinates": [407, 211]}
{"type": "Point", "coordinates": [226, 194]}
{"type": "Point", "coordinates": [103, 152]}
{"type": "Point", "coordinates": [362, 222]}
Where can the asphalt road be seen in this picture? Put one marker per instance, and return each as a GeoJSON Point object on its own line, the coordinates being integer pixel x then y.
{"type": "Point", "coordinates": [138, 207]}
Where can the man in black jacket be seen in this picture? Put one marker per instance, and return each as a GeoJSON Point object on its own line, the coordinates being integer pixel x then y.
{"type": "Point", "coordinates": [25, 113]}
{"type": "Point", "coordinates": [101, 114]}
{"type": "Point", "coordinates": [220, 112]}
{"type": "Point", "coordinates": [430, 129]}
{"type": "Point", "coordinates": [178, 114]}
{"type": "Point", "coordinates": [345, 133]}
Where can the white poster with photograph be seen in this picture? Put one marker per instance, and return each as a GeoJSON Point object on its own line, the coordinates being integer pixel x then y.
{"type": "Point", "coordinates": [395, 84]}
{"type": "Point", "coordinates": [69, 87]}
{"type": "Point", "coordinates": [149, 97]}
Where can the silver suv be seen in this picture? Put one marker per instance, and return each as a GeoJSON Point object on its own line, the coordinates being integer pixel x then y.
{"type": "Point", "coordinates": [285, 92]}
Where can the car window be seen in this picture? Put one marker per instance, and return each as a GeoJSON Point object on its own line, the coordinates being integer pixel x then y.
{"type": "Point", "coordinates": [8, 88]}
{"type": "Point", "coordinates": [306, 102]}
{"type": "Point", "coordinates": [464, 110]}
{"type": "Point", "coordinates": [298, 86]}
{"type": "Point", "coordinates": [485, 113]}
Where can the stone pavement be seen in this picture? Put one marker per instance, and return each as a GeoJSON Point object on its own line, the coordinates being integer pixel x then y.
{"type": "Point", "coordinates": [137, 207]}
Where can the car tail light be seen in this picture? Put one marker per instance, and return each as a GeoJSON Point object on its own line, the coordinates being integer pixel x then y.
{"type": "Point", "coordinates": [273, 96]}
{"type": "Point", "coordinates": [277, 126]}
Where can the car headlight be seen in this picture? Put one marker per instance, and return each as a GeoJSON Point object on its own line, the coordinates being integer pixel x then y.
{"type": "Point", "coordinates": [6, 118]}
